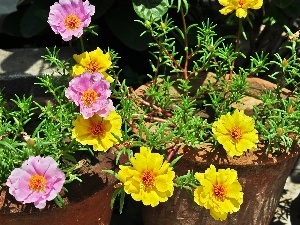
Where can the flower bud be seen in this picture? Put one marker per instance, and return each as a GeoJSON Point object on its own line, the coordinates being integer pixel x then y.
{"type": "Point", "coordinates": [30, 142]}
{"type": "Point", "coordinates": [118, 185]}
{"type": "Point", "coordinates": [280, 131]}
{"type": "Point", "coordinates": [147, 23]}
{"type": "Point", "coordinates": [163, 25]}
{"type": "Point", "coordinates": [211, 48]}
{"type": "Point", "coordinates": [290, 110]}
{"type": "Point", "coordinates": [284, 62]}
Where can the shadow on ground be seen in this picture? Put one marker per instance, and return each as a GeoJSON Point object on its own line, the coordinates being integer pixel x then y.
{"type": "Point", "coordinates": [131, 214]}
{"type": "Point", "coordinates": [288, 212]}
{"type": "Point", "coordinates": [295, 211]}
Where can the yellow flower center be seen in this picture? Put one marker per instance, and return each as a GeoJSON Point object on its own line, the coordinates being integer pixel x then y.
{"type": "Point", "coordinates": [97, 129]}
{"type": "Point", "coordinates": [89, 97]}
{"type": "Point", "coordinates": [37, 183]}
{"type": "Point", "coordinates": [236, 133]}
{"type": "Point", "coordinates": [72, 22]}
{"type": "Point", "coordinates": [92, 66]}
{"type": "Point", "coordinates": [220, 191]}
{"type": "Point", "coordinates": [242, 2]}
{"type": "Point", "coordinates": [147, 180]}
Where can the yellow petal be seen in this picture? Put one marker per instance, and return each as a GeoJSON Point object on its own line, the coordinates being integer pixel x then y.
{"type": "Point", "coordinates": [257, 4]}
{"type": "Point", "coordinates": [79, 58]}
{"type": "Point", "coordinates": [226, 10]}
{"type": "Point", "coordinates": [150, 198]}
{"type": "Point", "coordinates": [217, 215]}
{"type": "Point", "coordinates": [224, 2]}
{"type": "Point", "coordinates": [77, 70]}
{"type": "Point", "coordinates": [241, 13]}
{"type": "Point", "coordinates": [108, 77]}
{"type": "Point", "coordinates": [251, 136]}
{"type": "Point", "coordinates": [165, 182]}
{"type": "Point", "coordinates": [243, 145]}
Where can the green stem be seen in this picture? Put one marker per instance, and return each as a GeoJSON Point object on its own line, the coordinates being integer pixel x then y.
{"type": "Point", "coordinates": [71, 144]}
{"type": "Point", "coordinates": [185, 69]}
{"type": "Point", "coordinates": [81, 44]}
{"type": "Point", "coordinates": [237, 46]}
{"type": "Point", "coordinates": [19, 127]}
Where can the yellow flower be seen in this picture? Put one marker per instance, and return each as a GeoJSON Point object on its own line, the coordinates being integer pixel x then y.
{"type": "Point", "coordinates": [220, 192]}
{"type": "Point", "coordinates": [149, 179]}
{"type": "Point", "coordinates": [94, 61]}
{"type": "Point", "coordinates": [240, 6]}
{"type": "Point", "coordinates": [98, 131]}
{"type": "Point", "coordinates": [236, 133]}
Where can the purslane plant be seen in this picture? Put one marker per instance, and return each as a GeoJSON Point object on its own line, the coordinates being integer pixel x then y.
{"type": "Point", "coordinates": [179, 107]}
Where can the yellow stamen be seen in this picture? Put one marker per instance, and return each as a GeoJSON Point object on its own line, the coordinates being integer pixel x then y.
{"type": "Point", "coordinates": [92, 66]}
{"type": "Point", "coordinates": [89, 97]}
{"type": "Point", "coordinates": [147, 180]}
{"type": "Point", "coordinates": [97, 129]}
{"type": "Point", "coordinates": [37, 183]}
{"type": "Point", "coordinates": [236, 133]}
{"type": "Point", "coordinates": [220, 191]}
{"type": "Point", "coordinates": [242, 2]}
{"type": "Point", "coordinates": [72, 22]}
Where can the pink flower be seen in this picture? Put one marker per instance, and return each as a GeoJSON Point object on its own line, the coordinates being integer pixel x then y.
{"type": "Point", "coordinates": [91, 93]}
{"type": "Point", "coordinates": [69, 17]}
{"type": "Point", "coordinates": [38, 180]}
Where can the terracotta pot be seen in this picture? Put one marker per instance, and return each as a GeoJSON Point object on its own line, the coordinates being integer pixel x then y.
{"type": "Point", "coordinates": [262, 178]}
{"type": "Point", "coordinates": [87, 202]}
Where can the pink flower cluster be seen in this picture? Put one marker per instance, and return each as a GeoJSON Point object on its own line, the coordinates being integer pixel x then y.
{"type": "Point", "coordinates": [90, 92]}
{"type": "Point", "coordinates": [37, 181]}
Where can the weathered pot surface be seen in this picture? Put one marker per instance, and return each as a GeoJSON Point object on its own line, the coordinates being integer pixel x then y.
{"type": "Point", "coordinates": [262, 177]}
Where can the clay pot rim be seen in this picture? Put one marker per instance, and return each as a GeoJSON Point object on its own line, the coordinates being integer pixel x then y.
{"type": "Point", "coordinates": [203, 154]}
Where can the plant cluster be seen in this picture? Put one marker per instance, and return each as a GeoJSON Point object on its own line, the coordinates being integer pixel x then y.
{"type": "Point", "coordinates": [194, 97]}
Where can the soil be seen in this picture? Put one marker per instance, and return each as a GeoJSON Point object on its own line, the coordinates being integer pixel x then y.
{"type": "Point", "coordinates": [217, 154]}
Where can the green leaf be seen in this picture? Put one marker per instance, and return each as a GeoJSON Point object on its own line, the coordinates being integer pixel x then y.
{"type": "Point", "coordinates": [69, 157]}
{"type": "Point", "coordinates": [118, 192]}
{"type": "Point", "coordinates": [5, 144]}
{"type": "Point", "coordinates": [111, 172]}
{"type": "Point", "coordinates": [59, 201]}
{"type": "Point", "coordinates": [151, 10]}
{"type": "Point", "coordinates": [175, 160]}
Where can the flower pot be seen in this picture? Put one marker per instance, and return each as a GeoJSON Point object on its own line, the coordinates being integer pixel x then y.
{"type": "Point", "coordinates": [262, 178]}
{"type": "Point", "coordinates": [87, 202]}
{"type": "Point", "coordinates": [261, 175]}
